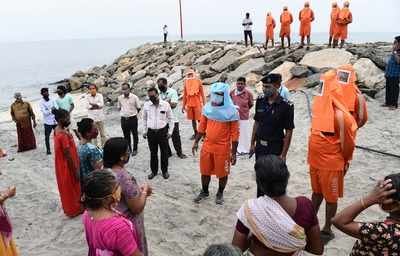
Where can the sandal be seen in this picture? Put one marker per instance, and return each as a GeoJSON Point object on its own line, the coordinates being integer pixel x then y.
{"type": "Point", "coordinates": [326, 237]}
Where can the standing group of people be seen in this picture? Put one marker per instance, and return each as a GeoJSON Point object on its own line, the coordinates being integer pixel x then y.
{"type": "Point", "coordinates": [223, 123]}
{"type": "Point", "coordinates": [340, 19]}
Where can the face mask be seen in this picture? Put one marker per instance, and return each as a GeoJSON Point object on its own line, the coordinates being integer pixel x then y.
{"type": "Point", "coordinates": [217, 100]}
{"type": "Point", "coordinates": [269, 92]}
{"type": "Point", "coordinates": [240, 88]}
{"type": "Point", "coordinates": [67, 123]}
{"type": "Point", "coordinates": [153, 99]}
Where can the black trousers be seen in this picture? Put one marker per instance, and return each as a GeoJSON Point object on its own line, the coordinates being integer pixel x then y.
{"type": "Point", "coordinates": [392, 91]}
{"type": "Point", "coordinates": [176, 141]}
{"type": "Point", "coordinates": [158, 139]}
{"type": "Point", "coordinates": [47, 132]}
{"type": "Point", "coordinates": [272, 148]}
{"type": "Point", "coordinates": [165, 38]}
{"type": "Point", "coordinates": [129, 126]}
{"type": "Point", "coordinates": [248, 34]}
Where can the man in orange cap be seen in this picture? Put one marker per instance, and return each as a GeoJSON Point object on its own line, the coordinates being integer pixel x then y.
{"type": "Point", "coordinates": [354, 99]}
{"type": "Point", "coordinates": [343, 19]}
{"type": "Point", "coordinates": [330, 149]}
{"type": "Point", "coordinates": [286, 19]}
{"type": "Point", "coordinates": [270, 26]}
{"type": "Point", "coordinates": [333, 27]}
{"type": "Point", "coordinates": [306, 16]}
{"type": "Point", "coordinates": [193, 99]}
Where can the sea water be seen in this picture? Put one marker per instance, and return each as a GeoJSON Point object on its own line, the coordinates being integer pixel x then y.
{"type": "Point", "coordinates": [27, 66]}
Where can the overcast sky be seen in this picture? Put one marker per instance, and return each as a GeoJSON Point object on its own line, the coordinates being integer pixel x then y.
{"type": "Point", "coordinates": [27, 20]}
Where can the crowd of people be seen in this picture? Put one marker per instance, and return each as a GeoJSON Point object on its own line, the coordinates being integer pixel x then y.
{"type": "Point", "coordinates": [338, 31]}
{"type": "Point", "coordinates": [93, 180]}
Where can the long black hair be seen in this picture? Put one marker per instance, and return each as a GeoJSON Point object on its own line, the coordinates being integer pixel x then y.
{"type": "Point", "coordinates": [113, 150]}
{"type": "Point", "coordinates": [85, 126]}
{"type": "Point", "coordinates": [97, 189]}
{"type": "Point", "coordinates": [60, 114]}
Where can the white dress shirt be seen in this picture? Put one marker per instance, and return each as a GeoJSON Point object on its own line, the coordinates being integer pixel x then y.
{"type": "Point", "coordinates": [45, 108]}
{"type": "Point", "coordinates": [157, 116]}
{"type": "Point", "coordinates": [129, 105]}
{"type": "Point", "coordinates": [96, 114]}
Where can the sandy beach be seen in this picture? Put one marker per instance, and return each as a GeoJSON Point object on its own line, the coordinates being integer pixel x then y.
{"type": "Point", "coordinates": [174, 224]}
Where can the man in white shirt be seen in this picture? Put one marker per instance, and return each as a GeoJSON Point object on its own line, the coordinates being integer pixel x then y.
{"type": "Point", "coordinates": [157, 117]}
{"type": "Point", "coordinates": [165, 31]}
{"type": "Point", "coordinates": [95, 104]}
{"type": "Point", "coordinates": [129, 106]}
{"type": "Point", "coordinates": [46, 106]}
{"type": "Point", "coordinates": [247, 24]}
{"type": "Point", "coordinates": [170, 95]}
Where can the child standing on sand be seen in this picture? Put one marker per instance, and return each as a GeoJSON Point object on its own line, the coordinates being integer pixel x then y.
{"type": "Point", "coordinates": [7, 245]}
{"type": "Point", "coordinates": [107, 232]}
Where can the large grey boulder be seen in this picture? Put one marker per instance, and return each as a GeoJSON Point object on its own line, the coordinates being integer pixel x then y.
{"type": "Point", "coordinates": [312, 80]}
{"type": "Point", "coordinates": [378, 53]}
{"type": "Point", "coordinates": [213, 79]}
{"type": "Point", "coordinates": [138, 75]}
{"type": "Point", "coordinates": [369, 75]}
{"type": "Point", "coordinates": [187, 59]}
{"type": "Point", "coordinates": [284, 70]}
{"type": "Point", "coordinates": [75, 83]}
{"type": "Point", "coordinates": [205, 72]}
{"type": "Point", "coordinates": [331, 58]}
{"type": "Point", "coordinates": [252, 65]}
{"type": "Point", "coordinates": [204, 59]}
{"type": "Point", "coordinates": [300, 71]}
{"type": "Point", "coordinates": [253, 53]}
{"type": "Point", "coordinates": [176, 75]}
{"type": "Point", "coordinates": [229, 59]}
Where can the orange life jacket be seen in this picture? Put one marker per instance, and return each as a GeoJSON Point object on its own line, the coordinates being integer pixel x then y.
{"type": "Point", "coordinates": [306, 15]}
{"type": "Point", "coordinates": [286, 18]}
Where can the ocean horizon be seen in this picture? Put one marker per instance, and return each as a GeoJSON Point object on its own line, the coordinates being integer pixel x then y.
{"type": "Point", "coordinates": [28, 66]}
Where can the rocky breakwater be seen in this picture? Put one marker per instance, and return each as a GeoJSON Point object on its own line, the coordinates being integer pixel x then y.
{"type": "Point", "coordinates": [218, 60]}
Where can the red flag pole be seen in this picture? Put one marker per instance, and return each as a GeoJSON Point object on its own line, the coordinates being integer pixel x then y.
{"type": "Point", "coordinates": [180, 16]}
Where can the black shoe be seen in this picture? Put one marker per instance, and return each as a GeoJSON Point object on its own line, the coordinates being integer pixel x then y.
{"type": "Point", "coordinates": [200, 197]}
{"type": "Point", "coordinates": [48, 152]}
{"type": "Point", "coordinates": [151, 176]}
{"type": "Point", "coordinates": [182, 156]}
{"type": "Point", "coordinates": [134, 153]}
{"type": "Point", "coordinates": [165, 175]}
{"type": "Point", "coordinates": [219, 199]}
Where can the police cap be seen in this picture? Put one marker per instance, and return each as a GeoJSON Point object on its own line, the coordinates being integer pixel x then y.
{"type": "Point", "coordinates": [272, 78]}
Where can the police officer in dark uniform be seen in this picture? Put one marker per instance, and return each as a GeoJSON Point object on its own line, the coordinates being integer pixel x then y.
{"type": "Point", "coordinates": [273, 121]}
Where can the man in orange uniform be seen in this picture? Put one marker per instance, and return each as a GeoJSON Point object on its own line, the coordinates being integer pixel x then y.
{"type": "Point", "coordinates": [269, 33]}
{"type": "Point", "coordinates": [286, 19]}
{"type": "Point", "coordinates": [306, 16]}
{"type": "Point", "coordinates": [220, 126]}
{"type": "Point", "coordinates": [332, 29]}
{"type": "Point", "coordinates": [354, 99]}
{"type": "Point", "coordinates": [193, 99]}
{"type": "Point", "coordinates": [343, 19]}
{"type": "Point", "coordinates": [330, 149]}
